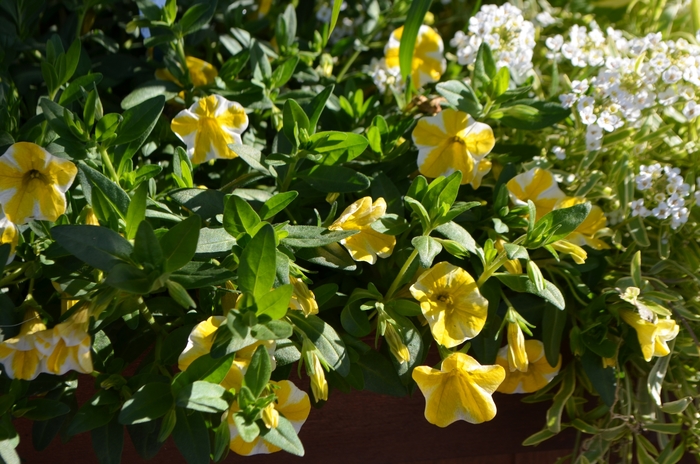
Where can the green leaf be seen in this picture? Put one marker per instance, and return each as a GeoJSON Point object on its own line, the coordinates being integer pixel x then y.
{"type": "Point", "coordinates": [499, 84]}
{"type": "Point", "coordinates": [533, 115]}
{"type": "Point", "coordinates": [558, 224]}
{"type": "Point", "coordinates": [150, 402]}
{"type": "Point", "coordinates": [89, 417]}
{"type": "Point", "coordinates": [137, 210]}
{"type": "Point", "coordinates": [148, 90]}
{"type": "Point", "coordinates": [272, 330]}
{"type": "Point", "coordinates": [198, 275]}
{"type": "Point", "coordinates": [459, 234]}
{"type": "Point", "coordinates": [248, 430]}
{"type": "Point", "coordinates": [41, 409]}
{"type": "Point", "coordinates": [294, 120]}
{"type": "Point", "coordinates": [539, 437]}
{"type": "Point", "coordinates": [521, 283]}
{"type": "Point", "coordinates": [284, 71]}
{"type": "Point", "coordinates": [484, 67]}
{"type": "Point", "coordinates": [414, 20]}
{"type": "Point", "coordinates": [178, 293]}
{"type": "Point", "coordinates": [379, 375]}
{"type": "Point", "coordinates": [317, 104]}
{"type": "Point", "coordinates": [312, 236]}
{"type": "Point", "coordinates": [284, 436]}
{"type": "Point", "coordinates": [602, 378]}
{"type": "Point", "coordinates": [139, 121]}
{"type": "Point", "coordinates": [191, 435]}
{"type": "Point", "coordinates": [277, 203]}
{"type": "Point", "coordinates": [678, 406]}
{"type": "Point", "coordinates": [180, 243]}
{"type": "Point", "coordinates": [325, 338]}
{"type": "Point", "coordinates": [205, 203]}
{"type": "Point", "coordinates": [147, 248]}
{"type": "Point", "coordinates": [334, 19]}
{"type": "Point", "coordinates": [329, 179]}
{"type": "Point", "coordinates": [108, 442]}
{"type": "Point", "coordinates": [130, 278]}
{"type": "Point", "coordinates": [355, 321]}
{"type": "Point", "coordinates": [91, 179]}
{"type": "Point", "coordinates": [204, 368]}
{"type": "Point", "coordinates": [197, 16]}
{"type": "Point", "coordinates": [213, 243]}
{"type": "Point", "coordinates": [333, 256]}
{"type": "Point", "coordinates": [99, 247]}
{"type": "Point", "coordinates": [202, 396]}
{"type": "Point", "coordinates": [76, 88]}
{"type": "Point", "coordinates": [337, 147]}
{"type": "Point", "coordinates": [553, 323]}
{"type": "Point", "coordinates": [239, 217]}
{"type": "Point", "coordinates": [460, 95]}
{"type": "Point", "coordinates": [658, 373]}
{"type": "Point", "coordinates": [568, 384]}
{"type": "Point", "coordinates": [275, 303]}
{"type": "Point", "coordinates": [638, 231]}
{"type": "Point", "coordinates": [257, 375]}
{"type": "Point", "coordinates": [256, 271]}
{"type": "Point", "coordinates": [428, 248]}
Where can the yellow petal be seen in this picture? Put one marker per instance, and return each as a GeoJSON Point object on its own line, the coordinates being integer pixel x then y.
{"type": "Point", "coordinates": [517, 356]}
{"type": "Point", "coordinates": [367, 244]}
{"type": "Point", "coordinates": [537, 185]}
{"type": "Point", "coordinates": [539, 372]}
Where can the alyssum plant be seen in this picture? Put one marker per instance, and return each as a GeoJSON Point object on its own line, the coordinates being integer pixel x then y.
{"type": "Point", "coordinates": [199, 199]}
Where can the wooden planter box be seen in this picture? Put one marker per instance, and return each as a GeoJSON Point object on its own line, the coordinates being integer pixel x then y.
{"type": "Point", "coordinates": [363, 427]}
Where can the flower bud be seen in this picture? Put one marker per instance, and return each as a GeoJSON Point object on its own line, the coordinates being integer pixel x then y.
{"type": "Point", "coordinates": [270, 416]}
{"type": "Point", "coordinates": [396, 344]}
{"type": "Point", "coordinates": [578, 254]}
{"type": "Point", "coordinates": [319, 385]}
{"type": "Point", "coordinates": [517, 356]}
{"type": "Point", "coordinates": [90, 218]}
{"type": "Point", "coordinates": [331, 197]}
{"type": "Point", "coordinates": [535, 275]}
{"type": "Point", "coordinates": [302, 299]}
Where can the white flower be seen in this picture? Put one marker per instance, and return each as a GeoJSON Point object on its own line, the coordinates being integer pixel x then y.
{"type": "Point", "coordinates": [644, 182]}
{"type": "Point", "coordinates": [567, 100]}
{"type": "Point", "coordinates": [594, 144]}
{"type": "Point", "coordinates": [545, 19]}
{"type": "Point", "coordinates": [579, 86]}
{"type": "Point", "coordinates": [559, 152]}
{"type": "Point", "coordinates": [638, 208]}
{"type": "Point", "coordinates": [554, 43]}
{"type": "Point", "coordinates": [679, 217]}
{"type": "Point", "coordinates": [697, 198]}
{"type": "Point", "coordinates": [672, 75]}
{"type": "Point", "coordinates": [609, 122]}
{"type": "Point", "coordinates": [594, 132]}
{"type": "Point", "coordinates": [691, 110]}
{"type": "Point", "coordinates": [662, 211]}
{"type": "Point", "coordinates": [687, 92]}
{"type": "Point", "coordinates": [587, 116]}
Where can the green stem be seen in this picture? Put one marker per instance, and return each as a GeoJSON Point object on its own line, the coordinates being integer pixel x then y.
{"type": "Point", "coordinates": [290, 174]}
{"type": "Point", "coordinates": [347, 65]}
{"type": "Point", "coordinates": [146, 313]}
{"type": "Point", "coordinates": [695, 14]}
{"type": "Point", "coordinates": [488, 272]}
{"type": "Point", "coordinates": [402, 272]}
{"type": "Point", "coordinates": [11, 277]}
{"type": "Point", "coordinates": [106, 160]}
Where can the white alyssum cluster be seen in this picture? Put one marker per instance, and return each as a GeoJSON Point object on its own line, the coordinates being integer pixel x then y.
{"type": "Point", "coordinates": [510, 37]}
{"type": "Point", "coordinates": [634, 76]}
{"type": "Point", "coordinates": [385, 77]}
{"type": "Point", "coordinates": [665, 194]}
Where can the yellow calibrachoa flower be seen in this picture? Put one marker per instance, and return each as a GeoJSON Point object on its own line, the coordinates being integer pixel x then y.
{"type": "Point", "coordinates": [653, 336]}
{"type": "Point", "coordinates": [428, 62]}
{"type": "Point", "coordinates": [292, 403]}
{"type": "Point", "coordinates": [594, 222]}
{"type": "Point", "coordinates": [577, 253]}
{"type": "Point", "coordinates": [537, 185]}
{"type": "Point", "coordinates": [303, 299]}
{"type": "Point", "coordinates": [517, 355]}
{"type": "Point", "coordinates": [539, 373]}
{"type": "Point", "coordinates": [367, 244]}
{"type": "Point", "coordinates": [450, 301]}
{"type": "Point", "coordinates": [67, 346]}
{"type": "Point", "coordinates": [201, 72]}
{"type": "Point", "coordinates": [19, 355]}
{"type": "Point", "coordinates": [8, 234]}
{"type": "Point", "coordinates": [460, 390]}
{"type": "Point", "coordinates": [209, 126]}
{"type": "Point", "coordinates": [200, 341]}
{"type": "Point", "coordinates": [33, 183]}
{"type": "Point", "coordinates": [453, 141]}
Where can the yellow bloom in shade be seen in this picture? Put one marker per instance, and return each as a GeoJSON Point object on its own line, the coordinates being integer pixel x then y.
{"type": "Point", "coordinates": [539, 373]}
{"type": "Point", "coordinates": [537, 185]}
{"type": "Point", "coordinates": [33, 183]}
{"type": "Point", "coordinates": [460, 390]}
{"type": "Point", "coordinates": [200, 341]}
{"type": "Point", "coordinates": [451, 303]}
{"type": "Point", "coordinates": [201, 72]}
{"type": "Point", "coordinates": [653, 336]}
{"type": "Point", "coordinates": [67, 346]}
{"type": "Point", "coordinates": [367, 244]}
{"type": "Point", "coordinates": [585, 233]}
{"type": "Point", "coordinates": [428, 62]}
{"type": "Point", "coordinates": [453, 141]}
{"type": "Point", "coordinates": [292, 403]}
{"type": "Point", "coordinates": [396, 345]}
{"type": "Point", "coordinates": [19, 355]}
{"type": "Point", "coordinates": [303, 299]}
{"type": "Point", "coordinates": [91, 218]}
{"type": "Point", "coordinates": [209, 126]}
{"type": "Point", "coordinates": [517, 355]}
{"type": "Point", "coordinates": [8, 234]}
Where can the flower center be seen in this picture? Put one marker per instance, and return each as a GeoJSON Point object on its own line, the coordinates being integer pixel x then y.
{"type": "Point", "coordinates": [444, 298]}
{"type": "Point", "coordinates": [458, 139]}
{"type": "Point", "coordinates": [35, 175]}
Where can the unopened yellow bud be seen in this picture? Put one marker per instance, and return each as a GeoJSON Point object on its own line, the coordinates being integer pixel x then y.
{"type": "Point", "coordinates": [90, 218]}
{"type": "Point", "coordinates": [517, 356]}
{"type": "Point", "coordinates": [319, 385]}
{"type": "Point", "coordinates": [270, 416]}
{"type": "Point", "coordinates": [303, 299]}
{"type": "Point", "coordinates": [429, 19]}
{"type": "Point", "coordinates": [229, 299]}
{"type": "Point", "coordinates": [331, 197]}
{"type": "Point", "coordinates": [326, 65]}
{"type": "Point", "coordinates": [396, 344]}
{"type": "Point", "coordinates": [578, 254]}
{"type": "Point", "coordinates": [609, 362]}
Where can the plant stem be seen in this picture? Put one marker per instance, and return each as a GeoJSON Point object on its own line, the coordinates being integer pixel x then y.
{"type": "Point", "coordinates": [146, 313]}
{"type": "Point", "coordinates": [488, 272]}
{"type": "Point", "coordinates": [400, 276]}
{"type": "Point", "coordinates": [290, 174]}
{"type": "Point", "coordinates": [11, 277]}
{"type": "Point", "coordinates": [106, 160]}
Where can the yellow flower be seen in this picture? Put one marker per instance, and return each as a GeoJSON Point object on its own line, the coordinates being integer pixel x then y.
{"type": "Point", "coordinates": [209, 126]}
{"type": "Point", "coordinates": [585, 233]}
{"type": "Point", "coordinates": [539, 373]}
{"type": "Point", "coordinates": [513, 266]}
{"type": "Point", "coordinates": [33, 183]}
{"type": "Point", "coordinates": [91, 218]}
{"type": "Point", "coordinates": [609, 362]}
{"type": "Point", "coordinates": [8, 234]}
{"type": "Point", "coordinates": [451, 303]}
{"type": "Point", "coordinates": [453, 141]}
{"type": "Point", "coordinates": [367, 244]}
{"type": "Point", "coordinates": [201, 72]}
{"type": "Point", "coordinates": [19, 355]}
{"type": "Point", "coordinates": [652, 336]}
{"type": "Point", "coordinates": [428, 64]}
{"type": "Point", "coordinates": [67, 346]}
{"type": "Point", "coordinates": [460, 390]}
{"type": "Point", "coordinates": [303, 299]}
{"type": "Point", "coordinates": [517, 355]}
{"type": "Point", "coordinates": [271, 416]}
{"type": "Point", "coordinates": [292, 403]}
{"type": "Point", "coordinates": [200, 341]}
{"type": "Point", "coordinates": [577, 253]}
{"type": "Point", "coordinates": [537, 185]}
{"type": "Point", "coordinates": [396, 345]}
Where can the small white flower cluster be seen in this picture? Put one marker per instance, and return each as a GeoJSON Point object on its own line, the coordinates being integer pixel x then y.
{"type": "Point", "coordinates": [669, 201]}
{"type": "Point", "coordinates": [385, 77]}
{"type": "Point", "coordinates": [510, 37]}
{"type": "Point", "coordinates": [635, 75]}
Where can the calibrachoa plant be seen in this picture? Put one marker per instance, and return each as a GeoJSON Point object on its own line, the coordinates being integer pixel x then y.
{"type": "Point", "coordinates": [207, 206]}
